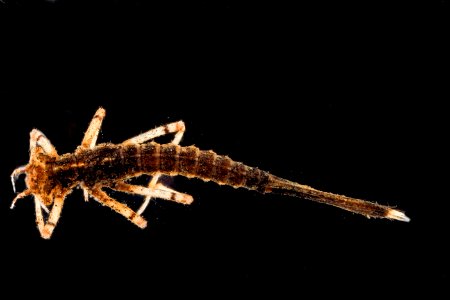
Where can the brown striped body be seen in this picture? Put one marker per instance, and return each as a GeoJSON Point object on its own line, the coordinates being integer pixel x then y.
{"type": "Point", "coordinates": [108, 163]}
{"type": "Point", "coordinates": [51, 177]}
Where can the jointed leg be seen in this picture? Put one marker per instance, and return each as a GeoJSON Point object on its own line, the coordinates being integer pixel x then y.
{"type": "Point", "coordinates": [46, 229]}
{"type": "Point", "coordinates": [166, 193]}
{"type": "Point", "coordinates": [90, 139]}
{"type": "Point", "coordinates": [178, 128]}
{"type": "Point", "coordinates": [120, 208]}
{"type": "Point", "coordinates": [37, 138]}
{"type": "Point", "coordinates": [159, 191]}
{"type": "Point", "coordinates": [91, 135]}
{"type": "Point", "coordinates": [85, 192]}
{"type": "Point", "coordinates": [39, 217]}
{"type": "Point", "coordinates": [39, 199]}
{"type": "Point", "coordinates": [151, 186]}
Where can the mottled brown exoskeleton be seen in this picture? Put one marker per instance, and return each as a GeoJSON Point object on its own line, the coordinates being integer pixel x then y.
{"type": "Point", "coordinates": [51, 177]}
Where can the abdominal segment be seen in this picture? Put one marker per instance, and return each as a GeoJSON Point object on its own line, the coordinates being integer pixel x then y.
{"type": "Point", "coordinates": [108, 163]}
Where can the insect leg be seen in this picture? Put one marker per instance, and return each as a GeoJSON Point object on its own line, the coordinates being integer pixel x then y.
{"type": "Point", "coordinates": [46, 229]}
{"type": "Point", "coordinates": [91, 135]}
{"type": "Point", "coordinates": [39, 217]}
{"type": "Point", "coordinates": [165, 193]}
{"type": "Point", "coordinates": [90, 138]}
{"type": "Point", "coordinates": [118, 207]}
{"type": "Point", "coordinates": [178, 128]}
{"type": "Point", "coordinates": [159, 191]}
{"type": "Point", "coordinates": [151, 186]}
{"type": "Point", "coordinates": [37, 138]}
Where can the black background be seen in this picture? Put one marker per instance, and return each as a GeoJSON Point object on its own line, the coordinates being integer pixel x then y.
{"type": "Point", "coordinates": [343, 96]}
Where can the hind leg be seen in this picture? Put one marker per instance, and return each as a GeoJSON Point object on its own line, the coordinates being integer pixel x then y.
{"type": "Point", "coordinates": [178, 128]}
{"type": "Point", "coordinates": [159, 191]}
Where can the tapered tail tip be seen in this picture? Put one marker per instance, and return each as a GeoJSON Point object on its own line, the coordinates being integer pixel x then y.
{"type": "Point", "coordinates": [397, 215]}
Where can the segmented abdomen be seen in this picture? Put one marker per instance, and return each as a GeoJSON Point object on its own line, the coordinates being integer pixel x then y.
{"type": "Point", "coordinates": [207, 165]}
{"type": "Point", "coordinates": [108, 163]}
